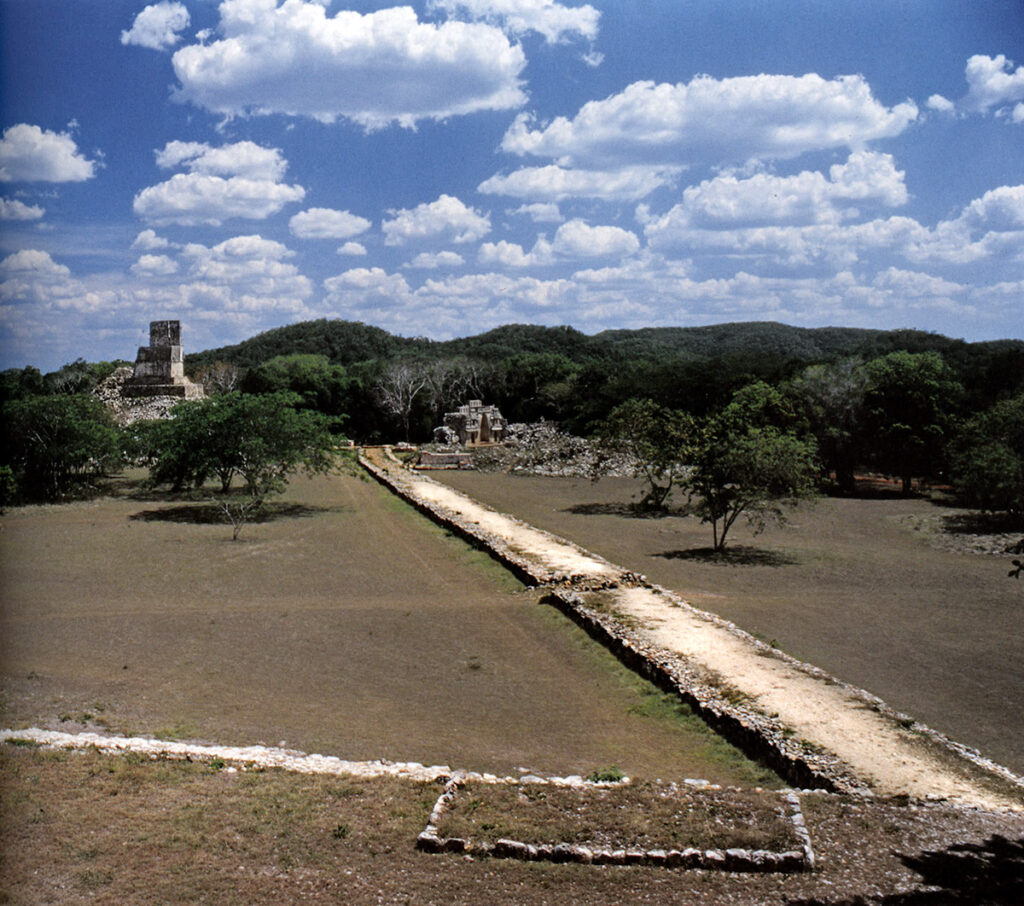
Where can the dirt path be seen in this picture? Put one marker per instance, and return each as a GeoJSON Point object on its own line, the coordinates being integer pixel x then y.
{"type": "Point", "coordinates": [889, 757]}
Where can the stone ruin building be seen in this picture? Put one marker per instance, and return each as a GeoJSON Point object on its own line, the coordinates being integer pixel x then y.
{"type": "Point", "coordinates": [156, 384]}
{"type": "Point", "coordinates": [476, 423]}
{"type": "Point", "coordinates": [160, 366]}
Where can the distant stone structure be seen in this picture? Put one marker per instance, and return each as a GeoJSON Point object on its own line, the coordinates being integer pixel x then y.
{"type": "Point", "coordinates": [476, 423]}
{"type": "Point", "coordinates": [160, 366]}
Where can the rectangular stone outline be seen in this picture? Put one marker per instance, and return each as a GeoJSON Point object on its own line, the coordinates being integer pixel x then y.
{"type": "Point", "coordinates": [791, 861]}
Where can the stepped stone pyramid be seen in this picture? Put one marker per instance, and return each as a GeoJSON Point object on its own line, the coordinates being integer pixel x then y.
{"type": "Point", "coordinates": [160, 366]}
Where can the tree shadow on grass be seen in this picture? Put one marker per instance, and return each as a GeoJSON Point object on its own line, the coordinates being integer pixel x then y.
{"type": "Point", "coordinates": [972, 522]}
{"type": "Point", "coordinates": [212, 514]}
{"type": "Point", "coordinates": [737, 555]}
{"type": "Point", "coordinates": [629, 510]}
{"type": "Point", "coordinates": [991, 872]}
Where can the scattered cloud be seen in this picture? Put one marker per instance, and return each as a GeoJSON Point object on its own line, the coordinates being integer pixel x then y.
{"type": "Point", "coordinates": [940, 103]}
{"type": "Point", "coordinates": [726, 121]}
{"type": "Point", "coordinates": [154, 266]}
{"type": "Point", "coordinates": [446, 218]}
{"type": "Point", "coordinates": [432, 261]}
{"type": "Point", "coordinates": [326, 223]}
{"type": "Point", "coordinates": [554, 183]}
{"type": "Point", "coordinates": [577, 239]}
{"type": "Point", "coordinates": [12, 209]}
{"type": "Point", "coordinates": [352, 248]}
{"type": "Point", "coordinates": [375, 69]}
{"type": "Point", "coordinates": [148, 241]}
{"type": "Point", "coordinates": [246, 159]}
{"type": "Point", "coordinates": [573, 240]}
{"type": "Point", "coordinates": [992, 82]}
{"type": "Point", "coordinates": [31, 154]}
{"type": "Point", "coordinates": [157, 26]}
{"type": "Point", "coordinates": [806, 197]}
{"type": "Point", "coordinates": [235, 180]}
{"type": "Point", "coordinates": [555, 21]}
{"type": "Point", "coordinates": [539, 212]}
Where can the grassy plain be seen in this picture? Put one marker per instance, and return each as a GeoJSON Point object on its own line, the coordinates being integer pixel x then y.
{"type": "Point", "coordinates": [848, 586]}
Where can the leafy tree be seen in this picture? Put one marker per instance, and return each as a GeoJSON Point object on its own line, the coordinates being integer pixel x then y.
{"type": "Point", "coordinates": [744, 465]}
{"type": "Point", "coordinates": [909, 405]}
{"type": "Point", "coordinates": [658, 440]}
{"type": "Point", "coordinates": [318, 384]}
{"type": "Point", "coordinates": [18, 383]}
{"type": "Point", "coordinates": [831, 398]}
{"type": "Point", "coordinates": [988, 459]}
{"type": "Point", "coordinates": [55, 444]}
{"type": "Point", "coordinates": [262, 439]}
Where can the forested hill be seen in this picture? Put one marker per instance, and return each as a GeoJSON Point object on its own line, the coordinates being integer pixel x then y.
{"type": "Point", "coordinates": [348, 342]}
{"type": "Point", "coordinates": [343, 342]}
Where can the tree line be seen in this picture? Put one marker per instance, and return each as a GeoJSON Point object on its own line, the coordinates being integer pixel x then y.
{"type": "Point", "coordinates": [908, 404]}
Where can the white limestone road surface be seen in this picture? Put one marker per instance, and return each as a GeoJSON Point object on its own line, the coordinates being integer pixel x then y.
{"type": "Point", "coordinates": [532, 543]}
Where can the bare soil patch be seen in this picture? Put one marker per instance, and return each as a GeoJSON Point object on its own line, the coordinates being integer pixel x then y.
{"type": "Point", "coordinates": [80, 827]}
{"type": "Point", "coordinates": [352, 627]}
{"type": "Point", "coordinates": [848, 586]}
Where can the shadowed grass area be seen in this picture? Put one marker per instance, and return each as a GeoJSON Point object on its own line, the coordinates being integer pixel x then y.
{"type": "Point", "coordinates": [736, 555]}
{"type": "Point", "coordinates": [211, 514]}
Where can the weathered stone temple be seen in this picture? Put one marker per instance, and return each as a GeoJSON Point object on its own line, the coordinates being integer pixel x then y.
{"type": "Point", "coordinates": [476, 423]}
{"type": "Point", "coordinates": [160, 366]}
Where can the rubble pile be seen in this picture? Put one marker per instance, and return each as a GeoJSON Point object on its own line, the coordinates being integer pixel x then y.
{"type": "Point", "coordinates": [541, 448]}
{"type": "Point", "coordinates": [126, 410]}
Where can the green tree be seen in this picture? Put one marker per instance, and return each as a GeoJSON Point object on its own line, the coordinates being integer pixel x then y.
{"type": "Point", "coordinates": [831, 398]}
{"type": "Point", "coordinates": [261, 438]}
{"type": "Point", "coordinates": [318, 384]}
{"type": "Point", "coordinates": [657, 439]}
{"type": "Point", "coordinates": [56, 444]}
{"type": "Point", "coordinates": [988, 459]}
{"type": "Point", "coordinates": [745, 465]}
{"type": "Point", "coordinates": [910, 404]}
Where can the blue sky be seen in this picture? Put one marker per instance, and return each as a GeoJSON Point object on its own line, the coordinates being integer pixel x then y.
{"type": "Point", "coordinates": [445, 167]}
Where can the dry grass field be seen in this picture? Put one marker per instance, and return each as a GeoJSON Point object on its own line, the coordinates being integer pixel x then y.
{"type": "Point", "coordinates": [847, 586]}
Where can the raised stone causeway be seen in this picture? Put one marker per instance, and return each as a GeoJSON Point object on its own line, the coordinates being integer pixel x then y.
{"type": "Point", "coordinates": [812, 728]}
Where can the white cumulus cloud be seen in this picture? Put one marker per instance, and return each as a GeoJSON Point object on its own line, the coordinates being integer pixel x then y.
{"type": "Point", "coordinates": [432, 261]}
{"type": "Point", "coordinates": [540, 212]}
{"type": "Point", "coordinates": [555, 183]}
{"type": "Point", "coordinates": [806, 197]}
{"type": "Point", "coordinates": [555, 21]}
{"type": "Point", "coordinates": [326, 223]}
{"type": "Point", "coordinates": [12, 209]}
{"type": "Point", "coordinates": [157, 26]}
{"type": "Point", "coordinates": [236, 180]}
{"type": "Point", "coordinates": [375, 69]}
{"type": "Point", "coordinates": [31, 154]}
{"type": "Point", "coordinates": [355, 249]}
{"type": "Point", "coordinates": [992, 82]}
{"type": "Point", "coordinates": [235, 159]}
{"type": "Point", "coordinates": [720, 120]}
{"type": "Point", "coordinates": [447, 218]}
{"type": "Point", "coordinates": [154, 266]}
{"type": "Point", "coordinates": [148, 241]}
{"type": "Point", "coordinates": [577, 239]}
